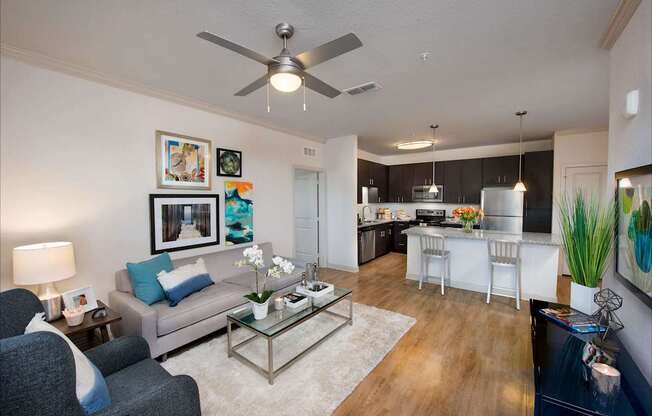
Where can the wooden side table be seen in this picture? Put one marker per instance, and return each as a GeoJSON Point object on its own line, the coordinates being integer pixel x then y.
{"type": "Point", "coordinates": [85, 335]}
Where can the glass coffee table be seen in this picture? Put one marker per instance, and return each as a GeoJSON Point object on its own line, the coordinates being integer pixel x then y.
{"type": "Point", "coordinates": [279, 322]}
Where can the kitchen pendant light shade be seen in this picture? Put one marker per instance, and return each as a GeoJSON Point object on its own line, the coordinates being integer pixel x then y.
{"type": "Point", "coordinates": [520, 187]}
{"type": "Point", "coordinates": [433, 189]}
{"type": "Point", "coordinates": [285, 81]}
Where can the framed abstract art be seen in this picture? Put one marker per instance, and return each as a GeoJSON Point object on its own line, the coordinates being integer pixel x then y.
{"type": "Point", "coordinates": [238, 212]}
{"type": "Point", "coordinates": [229, 163]}
{"type": "Point", "coordinates": [182, 162]}
{"type": "Point", "coordinates": [183, 221]}
{"type": "Point", "coordinates": [634, 231]}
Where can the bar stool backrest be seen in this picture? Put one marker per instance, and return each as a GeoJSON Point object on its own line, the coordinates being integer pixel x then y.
{"type": "Point", "coordinates": [432, 242]}
{"type": "Point", "coordinates": [504, 249]}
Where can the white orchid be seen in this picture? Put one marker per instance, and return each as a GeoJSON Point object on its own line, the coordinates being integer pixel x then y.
{"type": "Point", "coordinates": [253, 257]}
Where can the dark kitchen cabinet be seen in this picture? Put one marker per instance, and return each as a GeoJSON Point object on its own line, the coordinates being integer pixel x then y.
{"type": "Point", "coordinates": [537, 202]}
{"type": "Point", "coordinates": [372, 175]}
{"type": "Point", "coordinates": [462, 181]}
{"type": "Point", "coordinates": [423, 173]}
{"type": "Point", "coordinates": [399, 243]}
{"type": "Point", "coordinates": [383, 239]}
{"type": "Point", "coordinates": [500, 171]}
{"type": "Point", "coordinates": [453, 181]}
{"type": "Point", "coordinates": [401, 178]}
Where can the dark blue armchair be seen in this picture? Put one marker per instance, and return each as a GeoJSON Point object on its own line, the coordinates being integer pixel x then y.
{"type": "Point", "coordinates": [37, 371]}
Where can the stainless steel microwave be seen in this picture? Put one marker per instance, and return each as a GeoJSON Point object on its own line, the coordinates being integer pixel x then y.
{"type": "Point", "coordinates": [421, 193]}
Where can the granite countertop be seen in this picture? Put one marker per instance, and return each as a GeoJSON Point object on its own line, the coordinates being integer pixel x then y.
{"type": "Point", "coordinates": [378, 222]}
{"type": "Point", "coordinates": [523, 238]}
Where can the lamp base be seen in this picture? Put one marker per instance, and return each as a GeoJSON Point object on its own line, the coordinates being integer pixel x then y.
{"type": "Point", "coordinates": [51, 301]}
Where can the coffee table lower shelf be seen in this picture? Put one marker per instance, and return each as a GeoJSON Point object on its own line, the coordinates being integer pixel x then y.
{"type": "Point", "coordinates": [270, 372]}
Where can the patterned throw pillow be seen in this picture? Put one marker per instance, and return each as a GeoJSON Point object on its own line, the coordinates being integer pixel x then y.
{"type": "Point", "coordinates": [91, 388]}
{"type": "Point", "coordinates": [184, 281]}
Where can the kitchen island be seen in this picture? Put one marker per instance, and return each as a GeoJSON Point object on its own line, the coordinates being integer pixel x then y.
{"type": "Point", "coordinates": [469, 261]}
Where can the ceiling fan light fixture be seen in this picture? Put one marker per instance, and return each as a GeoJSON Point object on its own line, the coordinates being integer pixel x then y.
{"type": "Point", "coordinates": [414, 145]}
{"type": "Point", "coordinates": [285, 81]}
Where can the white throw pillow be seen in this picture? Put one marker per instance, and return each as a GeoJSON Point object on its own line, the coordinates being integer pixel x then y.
{"type": "Point", "coordinates": [184, 281]}
{"type": "Point", "coordinates": [92, 391]}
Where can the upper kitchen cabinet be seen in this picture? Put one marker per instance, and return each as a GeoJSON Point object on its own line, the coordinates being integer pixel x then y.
{"type": "Point", "coordinates": [537, 202]}
{"type": "Point", "coordinates": [462, 181]}
{"type": "Point", "coordinates": [401, 178]}
{"type": "Point", "coordinates": [373, 176]}
{"type": "Point", "coordinates": [423, 173]}
{"type": "Point", "coordinates": [500, 171]}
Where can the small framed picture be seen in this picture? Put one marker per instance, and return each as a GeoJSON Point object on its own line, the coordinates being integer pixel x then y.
{"type": "Point", "coordinates": [84, 296]}
{"type": "Point", "coordinates": [182, 162]}
{"type": "Point", "coordinates": [229, 163]}
{"type": "Point", "coordinates": [183, 221]}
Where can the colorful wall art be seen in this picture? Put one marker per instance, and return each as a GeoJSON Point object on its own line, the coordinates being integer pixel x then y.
{"type": "Point", "coordinates": [182, 162]}
{"type": "Point", "coordinates": [634, 256]}
{"type": "Point", "coordinates": [238, 212]}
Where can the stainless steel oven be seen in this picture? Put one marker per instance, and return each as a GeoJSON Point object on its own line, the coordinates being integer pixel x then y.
{"type": "Point", "coordinates": [421, 193]}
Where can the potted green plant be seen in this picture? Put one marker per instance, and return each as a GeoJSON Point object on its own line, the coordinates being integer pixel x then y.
{"type": "Point", "coordinates": [587, 232]}
{"type": "Point", "coordinates": [253, 258]}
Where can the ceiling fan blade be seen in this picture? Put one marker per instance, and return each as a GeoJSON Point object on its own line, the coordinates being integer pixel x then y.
{"type": "Point", "coordinates": [259, 83]}
{"type": "Point", "coordinates": [329, 50]}
{"type": "Point", "coordinates": [235, 47]}
{"type": "Point", "coordinates": [320, 86]}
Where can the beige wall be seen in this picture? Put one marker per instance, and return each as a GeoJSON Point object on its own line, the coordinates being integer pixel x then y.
{"type": "Point", "coordinates": [630, 145]}
{"type": "Point", "coordinates": [77, 164]}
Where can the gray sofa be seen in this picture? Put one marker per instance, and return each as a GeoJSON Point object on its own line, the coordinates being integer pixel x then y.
{"type": "Point", "coordinates": [166, 328]}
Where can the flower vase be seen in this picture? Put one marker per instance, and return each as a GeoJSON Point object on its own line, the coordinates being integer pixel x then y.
{"type": "Point", "coordinates": [581, 298]}
{"type": "Point", "coordinates": [260, 309]}
{"type": "Point", "coordinates": [468, 227]}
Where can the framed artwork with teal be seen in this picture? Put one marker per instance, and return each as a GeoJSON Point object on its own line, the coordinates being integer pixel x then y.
{"type": "Point", "coordinates": [238, 212]}
{"type": "Point", "coordinates": [634, 231]}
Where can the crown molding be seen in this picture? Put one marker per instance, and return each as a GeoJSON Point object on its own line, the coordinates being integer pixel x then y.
{"type": "Point", "coordinates": [47, 62]}
{"type": "Point", "coordinates": [618, 22]}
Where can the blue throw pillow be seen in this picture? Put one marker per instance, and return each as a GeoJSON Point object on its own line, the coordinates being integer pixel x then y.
{"type": "Point", "coordinates": [184, 281]}
{"type": "Point", "coordinates": [143, 278]}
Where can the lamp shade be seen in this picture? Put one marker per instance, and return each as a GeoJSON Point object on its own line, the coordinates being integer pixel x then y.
{"type": "Point", "coordinates": [36, 264]}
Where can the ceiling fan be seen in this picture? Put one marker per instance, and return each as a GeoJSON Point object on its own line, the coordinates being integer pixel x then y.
{"type": "Point", "coordinates": [286, 72]}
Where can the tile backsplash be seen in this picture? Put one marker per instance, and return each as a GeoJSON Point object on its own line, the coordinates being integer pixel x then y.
{"type": "Point", "coordinates": [410, 208]}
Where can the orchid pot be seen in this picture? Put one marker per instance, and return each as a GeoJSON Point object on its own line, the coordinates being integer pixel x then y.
{"type": "Point", "coordinates": [582, 298]}
{"type": "Point", "coordinates": [253, 258]}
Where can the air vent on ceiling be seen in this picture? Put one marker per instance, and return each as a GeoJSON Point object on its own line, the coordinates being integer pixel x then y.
{"type": "Point", "coordinates": [309, 151]}
{"type": "Point", "coordinates": [366, 87]}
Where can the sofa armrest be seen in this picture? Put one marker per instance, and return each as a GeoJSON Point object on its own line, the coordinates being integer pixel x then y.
{"type": "Point", "coordinates": [138, 318]}
{"type": "Point", "coordinates": [119, 353]}
{"type": "Point", "coordinates": [37, 376]}
{"type": "Point", "coordinates": [177, 396]}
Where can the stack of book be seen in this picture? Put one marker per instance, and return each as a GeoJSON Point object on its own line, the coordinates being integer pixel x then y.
{"type": "Point", "coordinates": [572, 320]}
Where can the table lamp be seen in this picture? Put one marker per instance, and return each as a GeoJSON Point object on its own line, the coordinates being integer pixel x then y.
{"type": "Point", "coordinates": [43, 264]}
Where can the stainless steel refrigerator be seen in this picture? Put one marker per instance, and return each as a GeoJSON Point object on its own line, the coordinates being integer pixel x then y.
{"type": "Point", "coordinates": [503, 209]}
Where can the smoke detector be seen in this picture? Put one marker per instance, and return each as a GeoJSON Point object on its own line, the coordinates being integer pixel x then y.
{"type": "Point", "coordinates": [366, 87]}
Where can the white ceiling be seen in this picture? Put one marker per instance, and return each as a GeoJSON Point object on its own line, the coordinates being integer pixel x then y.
{"type": "Point", "coordinates": [489, 59]}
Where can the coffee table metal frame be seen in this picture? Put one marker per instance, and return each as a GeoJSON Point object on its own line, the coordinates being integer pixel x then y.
{"type": "Point", "coordinates": [270, 372]}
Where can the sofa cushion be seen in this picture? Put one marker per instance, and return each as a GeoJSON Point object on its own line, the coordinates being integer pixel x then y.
{"type": "Point", "coordinates": [133, 381]}
{"type": "Point", "coordinates": [247, 280]}
{"type": "Point", "coordinates": [209, 302]}
{"type": "Point", "coordinates": [143, 278]}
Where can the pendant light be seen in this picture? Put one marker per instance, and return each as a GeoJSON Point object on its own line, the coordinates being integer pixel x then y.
{"type": "Point", "coordinates": [433, 188]}
{"type": "Point", "coordinates": [520, 186]}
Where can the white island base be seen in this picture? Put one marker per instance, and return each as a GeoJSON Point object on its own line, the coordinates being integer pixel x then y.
{"type": "Point", "coordinates": [469, 262]}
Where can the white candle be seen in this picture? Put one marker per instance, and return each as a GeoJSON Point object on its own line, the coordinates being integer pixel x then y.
{"type": "Point", "coordinates": [606, 385]}
{"type": "Point", "coordinates": [279, 304]}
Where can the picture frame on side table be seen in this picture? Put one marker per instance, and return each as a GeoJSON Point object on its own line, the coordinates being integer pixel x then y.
{"type": "Point", "coordinates": [182, 162]}
{"type": "Point", "coordinates": [183, 221]}
{"type": "Point", "coordinates": [634, 231]}
{"type": "Point", "coordinates": [229, 163]}
{"type": "Point", "coordinates": [84, 296]}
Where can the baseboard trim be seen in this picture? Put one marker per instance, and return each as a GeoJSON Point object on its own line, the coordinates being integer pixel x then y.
{"type": "Point", "coordinates": [497, 291]}
{"type": "Point", "coordinates": [343, 268]}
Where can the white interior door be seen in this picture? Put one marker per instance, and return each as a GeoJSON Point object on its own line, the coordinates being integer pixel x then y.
{"type": "Point", "coordinates": [306, 216]}
{"type": "Point", "coordinates": [590, 180]}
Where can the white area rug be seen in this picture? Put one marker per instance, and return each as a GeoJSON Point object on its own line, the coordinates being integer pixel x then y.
{"type": "Point", "coordinates": [314, 385]}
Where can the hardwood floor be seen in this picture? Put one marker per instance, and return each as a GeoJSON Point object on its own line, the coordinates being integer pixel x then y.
{"type": "Point", "coordinates": [462, 357]}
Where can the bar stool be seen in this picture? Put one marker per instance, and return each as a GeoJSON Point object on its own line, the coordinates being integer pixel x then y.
{"type": "Point", "coordinates": [434, 246]}
{"type": "Point", "coordinates": [505, 253]}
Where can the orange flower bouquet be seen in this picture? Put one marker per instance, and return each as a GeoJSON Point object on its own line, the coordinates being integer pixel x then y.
{"type": "Point", "coordinates": [469, 216]}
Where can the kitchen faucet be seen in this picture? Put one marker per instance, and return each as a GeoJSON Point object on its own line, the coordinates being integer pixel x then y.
{"type": "Point", "coordinates": [364, 217]}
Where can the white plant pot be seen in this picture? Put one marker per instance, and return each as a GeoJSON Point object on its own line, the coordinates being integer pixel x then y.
{"type": "Point", "coordinates": [581, 298]}
{"type": "Point", "coordinates": [260, 309]}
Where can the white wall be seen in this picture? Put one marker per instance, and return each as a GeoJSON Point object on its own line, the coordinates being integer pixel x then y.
{"type": "Point", "coordinates": [630, 145]}
{"type": "Point", "coordinates": [572, 149]}
{"type": "Point", "coordinates": [77, 163]}
{"type": "Point", "coordinates": [340, 162]}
